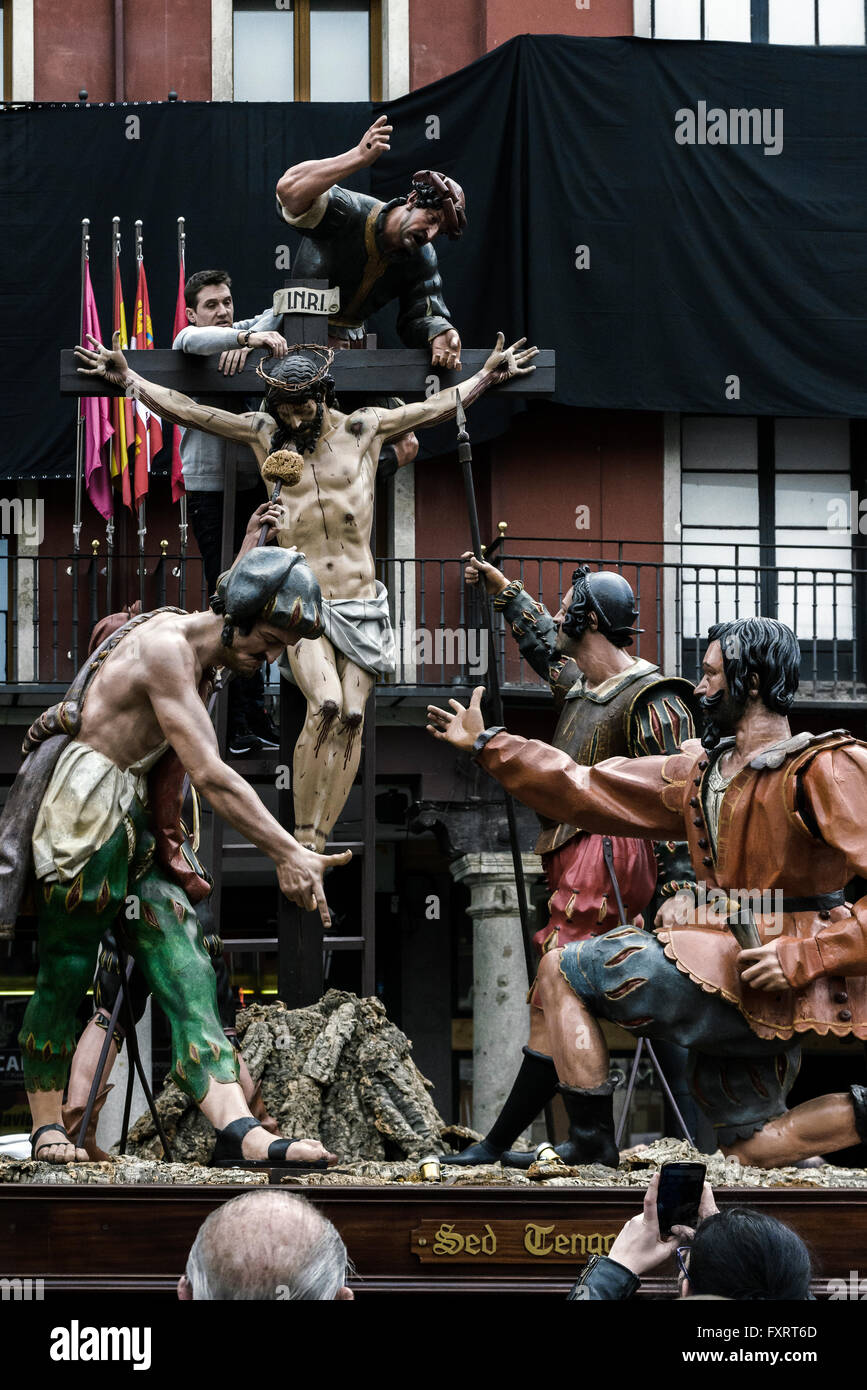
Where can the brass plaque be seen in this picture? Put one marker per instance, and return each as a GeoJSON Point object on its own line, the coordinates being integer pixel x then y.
{"type": "Point", "coordinates": [508, 1242]}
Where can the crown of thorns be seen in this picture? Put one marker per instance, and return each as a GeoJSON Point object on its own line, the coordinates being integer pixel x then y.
{"type": "Point", "coordinates": [319, 374]}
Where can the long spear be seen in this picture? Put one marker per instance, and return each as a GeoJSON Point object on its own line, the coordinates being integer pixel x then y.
{"type": "Point", "coordinates": [182, 524]}
{"type": "Point", "coordinates": [79, 430]}
{"type": "Point", "coordinates": [79, 454]}
{"type": "Point", "coordinates": [465, 454]}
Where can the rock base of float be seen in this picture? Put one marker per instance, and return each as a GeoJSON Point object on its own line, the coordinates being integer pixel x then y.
{"type": "Point", "coordinates": [637, 1167]}
{"type": "Point", "coordinates": [337, 1071]}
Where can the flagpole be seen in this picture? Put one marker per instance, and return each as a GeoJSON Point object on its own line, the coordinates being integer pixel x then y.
{"type": "Point", "coordinates": [79, 431]}
{"type": "Point", "coordinates": [182, 524]}
{"type": "Point", "coordinates": [142, 507]}
{"type": "Point", "coordinates": [109, 529]}
{"type": "Point", "coordinates": [79, 454]}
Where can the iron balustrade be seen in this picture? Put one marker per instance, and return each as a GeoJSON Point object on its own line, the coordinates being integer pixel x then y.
{"type": "Point", "coordinates": [49, 605]}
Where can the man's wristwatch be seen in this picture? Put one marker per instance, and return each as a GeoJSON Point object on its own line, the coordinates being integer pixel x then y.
{"type": "Point", "coordinates": [245, 334]}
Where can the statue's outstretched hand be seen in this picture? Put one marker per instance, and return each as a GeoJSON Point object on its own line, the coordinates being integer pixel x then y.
{"type": "Point", "coordinates": [505, 363]}
{"type": "Point", "coordinates": [300, 878]}
{"type": "Point", "coordinates": [375, 141]}
{"type": "Point", "coordinates": [98, 361]}
{"type": "Point", "coordinates": [462, 728]}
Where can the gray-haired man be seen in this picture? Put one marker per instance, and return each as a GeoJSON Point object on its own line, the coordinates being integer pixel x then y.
{"type": "Point", "coordinates": [266, 1245]}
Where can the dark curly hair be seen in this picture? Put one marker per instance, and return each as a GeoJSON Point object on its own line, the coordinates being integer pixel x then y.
{"type": "Point", "coordinates": [765, 647]}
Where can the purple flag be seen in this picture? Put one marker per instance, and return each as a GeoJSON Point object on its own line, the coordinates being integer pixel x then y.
{"type": "Point", "coordinates": [98, 428]}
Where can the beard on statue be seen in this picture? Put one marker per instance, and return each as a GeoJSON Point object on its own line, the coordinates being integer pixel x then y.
{"type": "Point", "coordinates": [721, 715]}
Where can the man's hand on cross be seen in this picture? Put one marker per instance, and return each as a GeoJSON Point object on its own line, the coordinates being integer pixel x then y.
{"type": "Point", "coordinates": [446, 350]}
{"type": "Point", "coordinates": [100, 362]}
{"type": "Point", "coordinates": [234, 359]}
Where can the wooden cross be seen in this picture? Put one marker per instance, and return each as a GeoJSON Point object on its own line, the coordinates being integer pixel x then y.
{"type": "Point", "coordinates": [358, 372]}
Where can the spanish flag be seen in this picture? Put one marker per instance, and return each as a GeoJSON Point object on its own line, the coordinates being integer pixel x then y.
{"type": "Point", "coordinates": [148, 427]}
{"type": "Point", "coordinates": [97, 418]}
{"type": "Point", "coordinates": [121, 409]}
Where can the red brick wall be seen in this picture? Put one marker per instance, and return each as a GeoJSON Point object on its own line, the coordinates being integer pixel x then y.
{"type": "Point", "coordinates": [506, 18]}
{"type": "Point", "coordinates": [453, 33]}
{"type": "Point", "coordinates": [167, 44]}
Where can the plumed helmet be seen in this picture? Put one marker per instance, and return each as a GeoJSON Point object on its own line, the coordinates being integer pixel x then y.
{"type": "Point", "coordinates": [435, 190]}
{"type": "Point", "coordinates": [269, 584]}
{"type": "Point", "coordinates": [610, 597]}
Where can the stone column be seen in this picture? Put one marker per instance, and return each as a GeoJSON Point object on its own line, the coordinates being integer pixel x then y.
{"type": "Point", "coordinates": [500, 1015]}
{"type": "Point", "coordinates": [111, 1116]}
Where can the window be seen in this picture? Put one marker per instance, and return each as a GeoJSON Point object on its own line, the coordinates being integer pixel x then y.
{"type": "Point", "coordinates": [307, 50]}
{"type": "Point", "coordinates": [761, 508]}
{"type": "Point", "coordinates": [757, 21]}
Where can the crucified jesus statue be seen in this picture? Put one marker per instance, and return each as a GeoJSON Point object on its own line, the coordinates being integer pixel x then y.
{"type": "Point", "coordinates": [328, 515]}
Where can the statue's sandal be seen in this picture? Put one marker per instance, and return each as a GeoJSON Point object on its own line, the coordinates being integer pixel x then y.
{"type": "Point", "coordinates": [55, 1129]}
{"type": "Point", "coordinates": [228, 1152]}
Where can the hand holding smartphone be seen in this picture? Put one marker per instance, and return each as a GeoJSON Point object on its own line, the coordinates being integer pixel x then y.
{"type": "Point", "coordinates": [679, 1195]}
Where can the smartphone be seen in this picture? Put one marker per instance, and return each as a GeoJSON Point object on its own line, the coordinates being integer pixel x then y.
{"type": "Point", "coordinates": [680, 1188]}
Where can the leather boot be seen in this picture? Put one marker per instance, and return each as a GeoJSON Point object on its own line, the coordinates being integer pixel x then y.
{"type": "Point", "coordinates": [72, 1118]}
{"type": "Point", "coordinates": [533, 1088]}
{"type": "Point", "coordinates": [859, 1102]}
{"type": "Point", "coordinates": [591, 1126]}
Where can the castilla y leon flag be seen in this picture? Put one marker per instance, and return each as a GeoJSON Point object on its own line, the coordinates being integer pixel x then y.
{"type": "Point", "coordinates": [98, 428]}
{"type": "Point", "coordinates": [178, 488]}
{"type": "Point", "coordinates": [148, 427]}
{"type": "Point", "coordinates": [121, 408]}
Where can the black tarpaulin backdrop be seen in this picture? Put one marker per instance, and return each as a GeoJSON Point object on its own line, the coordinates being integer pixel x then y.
{"type": "Point", "coordinates": [706, 262]}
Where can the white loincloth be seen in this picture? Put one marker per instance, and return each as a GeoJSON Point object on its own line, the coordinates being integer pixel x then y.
{"type": "Point", "coordinates": [361, 629]}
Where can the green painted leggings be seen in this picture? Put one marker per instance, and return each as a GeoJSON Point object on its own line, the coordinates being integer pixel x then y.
{"type": "Point", "coordinates": [157, 925]}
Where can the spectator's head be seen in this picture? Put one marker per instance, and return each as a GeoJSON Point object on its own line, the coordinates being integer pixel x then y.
{"type": "Point", "coordinates": [742, 1255]}
{"type": "Point", "coordinates": [266, 1245]}
{"type": "Point", "coordinates": [208, 297]}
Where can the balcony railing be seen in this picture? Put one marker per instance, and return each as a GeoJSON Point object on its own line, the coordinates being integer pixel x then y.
{"type": "Point", "coordinates": [49, 605]}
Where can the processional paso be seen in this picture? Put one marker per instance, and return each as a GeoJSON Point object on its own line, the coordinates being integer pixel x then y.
{"type": "Point", "coordinates": [314, 602]}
